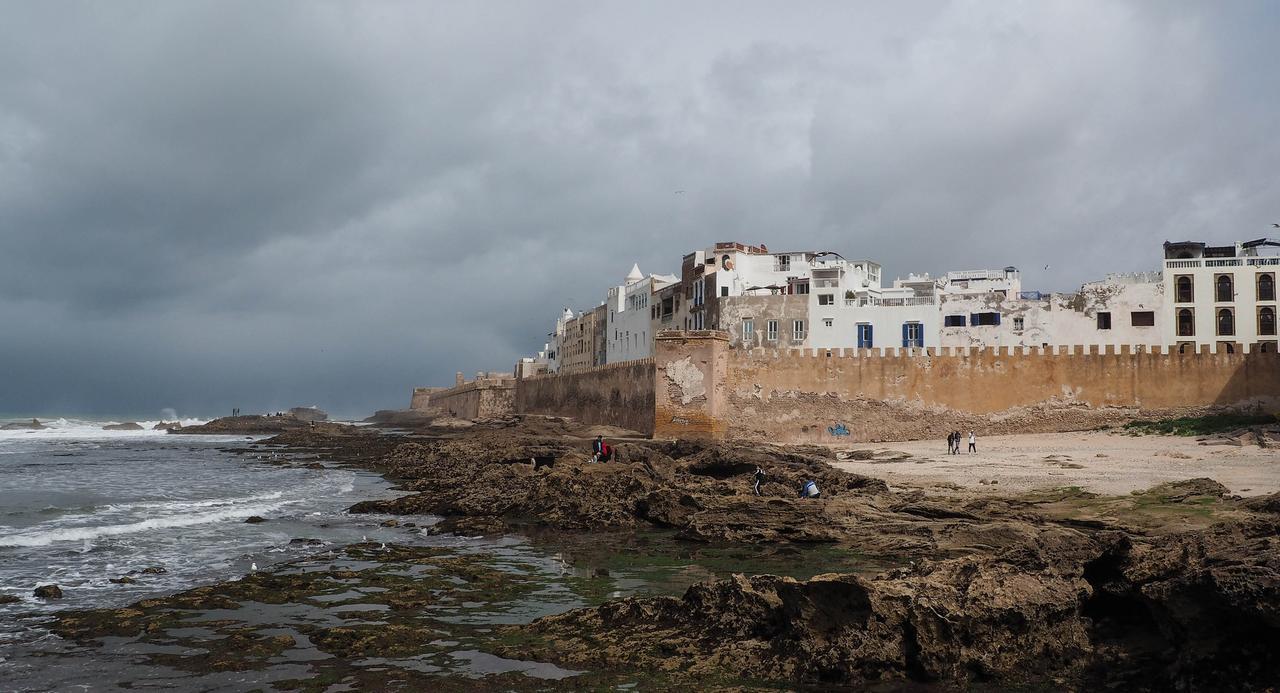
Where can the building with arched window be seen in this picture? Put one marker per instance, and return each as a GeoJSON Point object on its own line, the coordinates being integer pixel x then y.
{"type": "Point", "coordinates": [1222, 294]}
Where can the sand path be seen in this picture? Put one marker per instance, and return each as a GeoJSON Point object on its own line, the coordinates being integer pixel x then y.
{"type": "Point", "coordinates": [1101, 462]}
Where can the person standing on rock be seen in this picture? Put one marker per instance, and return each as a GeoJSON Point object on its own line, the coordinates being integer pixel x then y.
{"type": "Point", "coordinates": [759, 477]}
{"type": "Point", "coordinates": [973, 443]}
{"type": "Point", "coordinates": [809, 489]}
{"type": "Point", "coordinates": [597, 449]}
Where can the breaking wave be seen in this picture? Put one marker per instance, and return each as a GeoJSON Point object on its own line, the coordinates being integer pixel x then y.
{"type": "Point", "coordinates": [50, 536]}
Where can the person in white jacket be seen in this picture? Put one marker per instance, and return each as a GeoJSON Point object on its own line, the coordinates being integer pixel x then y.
{"type": "Point", "coordinates": [973, 442]}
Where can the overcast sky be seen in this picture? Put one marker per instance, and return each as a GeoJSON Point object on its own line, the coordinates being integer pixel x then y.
{"type": "Point", "coordinates": [267, 204]}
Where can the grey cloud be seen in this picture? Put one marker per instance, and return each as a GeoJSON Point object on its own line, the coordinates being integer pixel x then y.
{"type": "Point", "coordinates": [216, 204]}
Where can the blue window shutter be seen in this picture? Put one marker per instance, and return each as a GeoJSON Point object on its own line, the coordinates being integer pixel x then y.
{"type": "Point", "coordinates": [973, 319]}
{"type": "Point", "coordinates": [906, 339]}
{"type": "Point", "coordinates": [920, 334]}
{"type": "Point", "coordinates": [997, 318]}
{"type": "Point", "coordinates": [870, 337]}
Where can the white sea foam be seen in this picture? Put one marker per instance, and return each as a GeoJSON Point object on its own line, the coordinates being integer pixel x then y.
{"type": "Point", "coordinates": [82, 429]}
{"type": "Point", "coordinates": [181, 505]}
{"type": "Point", "coordinates": [50, 536]}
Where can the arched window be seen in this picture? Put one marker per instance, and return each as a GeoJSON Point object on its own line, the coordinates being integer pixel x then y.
{"type": "Point", "coordinates": [1186, 323]}
{"type": "Point", "coordinates": [1225, 293]}
{"type": "Point", "coordinates": [1266, 288]}
{"type": "Point", "coordinates": [1266, 347]}
{"type": "Point", "coordinates": [1226, 322]}
{"type": "Point", "coordinates": [1266, 320]}
{"type": "Point", "coordinates": [1185, 292]}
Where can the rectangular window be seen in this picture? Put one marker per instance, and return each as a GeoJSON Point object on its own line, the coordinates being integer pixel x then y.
{"type": "Point", "coordinates": [826, 299]}
{"type": "Point", "coordinates": [828, 322]}
{"type": "Point", "coordinates": [797, 330]}
{"type": "Point", "coordinates": [1104, 321]}
{"type": "Point", "coordinates": [865, 340]}
{"type": "Point", "coordinates": [953, 321]}
{"type": "Point", "coordinates": [724, 291]}
{"type": "Point", "coordinates": [1143, 318]}
{"type": "Point", "coordinates": [912, 335]}
{"type": "Point", "coordinates": [984, 319]}
{"type": "Point", "coordinates": [802, 287]}
{"type": "Point", "coordinates": [699, 293]}
{"type": "Point", "coordinates": [771, 330]}
{"type": "Point", "coordinates": [784, 263]}
{"type": "Point", "coordinates": [698, 321]}
{"type": "Point", "coordinates": [1017, 324]}
{"type": "Point", "coordinates": [748, 330]}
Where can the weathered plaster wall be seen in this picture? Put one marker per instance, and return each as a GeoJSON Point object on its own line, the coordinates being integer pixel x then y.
{"type": "Point", "coordinates": [689, 385]}
{"type": "Point", "coordinates": [783, 308]}
{"type": "Point", "coordinates": [619, 394]}
{"type": "Point", "coordinates": [811, 396]}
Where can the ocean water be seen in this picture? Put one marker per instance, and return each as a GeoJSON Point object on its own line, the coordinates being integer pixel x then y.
{"type": "Point", "coordinates": [80, 506]}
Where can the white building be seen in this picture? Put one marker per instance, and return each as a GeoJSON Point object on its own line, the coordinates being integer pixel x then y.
{"type": "Point", "coordinates": [849, 308]}
{"type": "Point", "coordinates": [629, 329]}
{"type": "Point", "coordinates": [1221, 295]}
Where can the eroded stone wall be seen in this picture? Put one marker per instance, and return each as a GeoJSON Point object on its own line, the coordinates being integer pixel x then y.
{"type": "Point", "coordinates": [810, 396]}
{"type": "Point", "coordinates": [689, 385]}
{"type": "Point", "coordinates": [480, 399]}
{"type": "Point", "coordinates": [619, 394]}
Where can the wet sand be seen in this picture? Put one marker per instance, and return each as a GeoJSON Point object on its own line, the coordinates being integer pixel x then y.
{"type": "Point", "coordinates": [1100, 462]}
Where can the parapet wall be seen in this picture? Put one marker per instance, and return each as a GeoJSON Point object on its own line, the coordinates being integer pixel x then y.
{"type": "Point", "coordinates": [618, 394]}
{"type": "Point", "coordinates": [984, 381]}
{"type": "Point", "coordinates": [706, 388]}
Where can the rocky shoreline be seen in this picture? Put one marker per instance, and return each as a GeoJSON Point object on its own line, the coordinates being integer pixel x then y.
{"type": "Point", "coordinates": [1178, 587]}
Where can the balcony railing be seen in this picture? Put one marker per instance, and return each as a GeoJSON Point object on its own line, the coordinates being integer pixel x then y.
{"type": "Point", "coordinates": [1181, 264]}
{"type": "Point", "coordinates": [1232, 262]}
{"type": "Point", "coordinates": [1263, 261]}
{"type": "Point", "coordinates": [873, 301]}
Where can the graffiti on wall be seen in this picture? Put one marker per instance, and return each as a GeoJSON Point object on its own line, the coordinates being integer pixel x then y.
{"type": "Point", "coordinates": [838, 430]}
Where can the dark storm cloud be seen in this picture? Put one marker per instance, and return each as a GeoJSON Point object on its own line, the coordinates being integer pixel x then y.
{"type": "Point", "coordinates": [206, 205]}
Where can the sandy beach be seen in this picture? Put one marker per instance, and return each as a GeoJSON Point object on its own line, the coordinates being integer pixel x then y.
{"type": "Point", "coordinates": [1100, 462]}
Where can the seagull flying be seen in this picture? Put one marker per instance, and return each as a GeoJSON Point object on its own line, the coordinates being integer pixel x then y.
{"type": "Point", "coordinates": [1276, 225]}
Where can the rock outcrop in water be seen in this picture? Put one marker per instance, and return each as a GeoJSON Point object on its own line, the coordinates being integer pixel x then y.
{"type": "Point", "coordinates": [258, 425]}
{"type": "Point", "coordinates": [127, 426]}
{"type": "Point", "coordinates": [48, 592]}
{"type": "Point", "coordinates": [309, 414]}
{"type": "Point", "coordinates": [32, 425]}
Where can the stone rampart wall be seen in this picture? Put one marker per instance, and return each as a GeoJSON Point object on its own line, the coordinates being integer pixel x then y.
{"type": "Point", "coordinates": [618, 394]}
{"type": "Point", "coordinates": [707, 389]}
{"type": "Point", "coordinates": [479, 399]}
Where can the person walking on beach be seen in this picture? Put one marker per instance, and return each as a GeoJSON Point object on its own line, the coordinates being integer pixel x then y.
{"type": "Point", "coordinates": [758, 474]}
{"type": "Point", "coordinates": [973, 443]}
